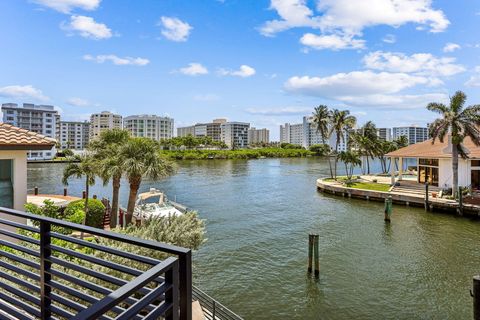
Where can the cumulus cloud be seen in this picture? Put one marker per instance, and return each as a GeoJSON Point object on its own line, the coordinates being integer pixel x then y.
{"type": "Point", "coordinates": [474, 80]}
{"type": "Point", "coordinates": [77, 102]}
{"type": "Point", "coordinates": [341, 20]}
{"type": "Point", "coordinates": [450, 47]}
{"type": "Point", "coordinates": [66, 6]}
{"type": "Point", "coordinates": [418, 63]}
{"type": "Point", "coordinates": [193, 69]}
{"type": "Point", "coordinates": [389, 38]}
{"type": "Point", "coordinates": [175, 29]}
{"type": "Point", "coordinates": [25, 92]}
{"type": "Point", "coordinates": [284, 111]}
{"type": "Point", "coordinates": [398, 101]}
{"type": "Point", "coordinates": [87, 27]}
{"type": "Point", "coordinates": [244, 72]}
{"type": "Point", "coordinates": [332, 41]}
{"type": "Point", "coordinates": [117, 60]}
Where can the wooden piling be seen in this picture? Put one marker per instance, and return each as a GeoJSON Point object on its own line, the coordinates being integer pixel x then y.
{"type": "Point", "coordinates": [315, 255]}
{"type": "Point", "coordinates": [427, 207]}
{"type": "Point", "coordinates": [35, 191]}
{"type": "Point", "coordinates": [388, 208]}
{"type": "Point", "coordinates": [94, 196]}
{"type": "Point", "coordinates": [460, 201]}
{"type": "Point", "coordinates": [84, 194]}
{"type": "Point", "coordinates": [310, 252]}
{"type": "Point", "coordinates": [475, 293]}
{"type": "Point", "coordinates": [65, 192]}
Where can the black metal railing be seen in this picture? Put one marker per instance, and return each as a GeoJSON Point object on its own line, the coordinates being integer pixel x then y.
{"type": "Point", "coordinates": [212, 309]}
{"type": "Point", "coordinates": [48, 272]}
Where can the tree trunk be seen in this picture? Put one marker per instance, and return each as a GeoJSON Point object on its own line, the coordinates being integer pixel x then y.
{"type": "Point", "coordinates": [329, 158]}
{"type": "Point", "coordinates": [114, 209]}
{"type": "Point", "coordinates": [368, 165]}
{"type": "Point", "coordinates": [336, 158]}
{"type": "Point", "coordinates": [455, 170]}
{"type": "Point", "coordinates": [346, 171]}
{"type": "Point", "coordinates": [85, 208]}
{"type": "Point", "coordinates": [134, 185]}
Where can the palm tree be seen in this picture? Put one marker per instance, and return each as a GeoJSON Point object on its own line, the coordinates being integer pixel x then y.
{"type": "Point", "coordinates": [142, 158]}
{"type": "Point", "coordinates": [111, 166]}
{"type": "Point", "coordinates": [350, 159]}
{"type": "Point", "coordinates": [459, 123]}
{"type": "Point", "coordinates": [322, 117]}
{"type": "Point", "coordinates": [86, 167]}
{"type": "Point", "coordinates": [341, 123]}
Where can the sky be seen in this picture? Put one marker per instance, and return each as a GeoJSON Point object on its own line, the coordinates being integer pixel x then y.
{"type": "Point", "coordinates": [259, 61]}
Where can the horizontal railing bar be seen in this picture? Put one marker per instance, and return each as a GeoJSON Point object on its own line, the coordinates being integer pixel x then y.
{"type": "Point", "coordinates": [145, 301]}
{"type": "Point", "coordinates": [22, 294]}
{"type": "Point", "coordinates": [19, 225]}
{"type": "Point", "coordinates": [61, 312]}
{"type": "Point", "coordinates": [21, 271]}
{"type": "Point", "coordinates": [19, 236]}
{"type": "Point", "coordinates": [67, 302]}
{"type": "Point", "coordinates": [20, 260]}
{"type": "Point", "coordinates": [106, 249]}
{"type": "Point", "coordinates": [150, 244]}
{"type": "Point", "coordinates": [19, 248]}
{"type": "Point", "coordinates": [19, 282]}
{"type": "Point", "coordinates": [20, 304]}
{"type": "Point", "coordinates": [89, 258]}
{"type": "Point", "coordinates": [161, 309]}
{"type": "Point", "coordinates": [4, 307]}
{"type": "Point", "coordinates": [121, 293]}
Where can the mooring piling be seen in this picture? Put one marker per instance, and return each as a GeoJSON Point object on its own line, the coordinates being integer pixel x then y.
{"type": "Point", "coordinates": [460, 201]}
{"type": "Point", "coordinates": [388, 208]}
{"type": "Point", "coordinates": [310, 252]}
{"type": "Point", "coordinates": [475, 293]}
{"type": "Point", "coordinates": [315, 255]}
{"type": "Point", "coordinates": [426, 197]}
{"type": "Point", "coordinates": [65, 192]}
{"type": "Point", "coordinates": [84, 194]}
{"type": "Point", "coordinates": [35, 191]}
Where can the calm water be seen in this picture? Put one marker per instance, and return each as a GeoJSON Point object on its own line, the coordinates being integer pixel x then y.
{"type": "Point", "coordinates": [259, 214]}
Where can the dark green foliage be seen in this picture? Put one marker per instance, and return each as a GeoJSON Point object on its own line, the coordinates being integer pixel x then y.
{"type": "Point", "coordinates": [96, 210]}
{"type": "Point", "coordinates": [320, 149]}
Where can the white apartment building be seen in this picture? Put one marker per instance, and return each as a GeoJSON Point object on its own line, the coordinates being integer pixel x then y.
{"type": "Point", "coordinates": [149, 126]}
{"type": "Point", "coordinates": [235, 134]}
{"type": "Point", "coordinates": [73, 135]}
{"type": "Point", "coordinates": [186, 131]}
{"type": "Point", "coordinates": [212, 130]}
{"type": "Point", "coordinates": [104, 121]}
{"type": "Point", "coordinates": [306, 135]}
{"type": "Point", "coordinates": [42, 119]}
{"type": "Point", "coordinates": [384, 134]}
{"type": "Point", "coordinates": [258, 136]}
{"type": "Point", "coordinates": [414, 134]}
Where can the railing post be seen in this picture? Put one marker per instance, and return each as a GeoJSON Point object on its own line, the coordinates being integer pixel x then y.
{"type": "Point", "coordinates": [476, 297]}
{"type": "Point", "coordinates": [45, 277]}
{"type": "Point", "coordinates": [171, 296]}
{"type": "Point", "coordinates": [213, 311]}
{"type": "Point", "coordinates": [185, 274]}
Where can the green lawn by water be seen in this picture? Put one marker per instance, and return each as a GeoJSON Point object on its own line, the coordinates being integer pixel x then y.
{"type": "Point", "coordinates": [364, 185]}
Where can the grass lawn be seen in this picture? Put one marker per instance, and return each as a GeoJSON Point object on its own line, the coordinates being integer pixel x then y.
{"type": "Point", "coordinates": [363, 185]}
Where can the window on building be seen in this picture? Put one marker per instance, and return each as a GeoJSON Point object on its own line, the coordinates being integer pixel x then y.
{"type": "Point", "coordinates": [475, 163]}
{"type": "Point", "coordinates": [6, 183]}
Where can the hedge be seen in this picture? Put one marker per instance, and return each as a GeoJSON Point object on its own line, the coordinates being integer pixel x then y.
{"type": "Point", "coordinates": [96, 210]}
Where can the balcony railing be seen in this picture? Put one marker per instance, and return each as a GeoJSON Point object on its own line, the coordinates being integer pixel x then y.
{"type": "Point", "coordinates": [48, 272]}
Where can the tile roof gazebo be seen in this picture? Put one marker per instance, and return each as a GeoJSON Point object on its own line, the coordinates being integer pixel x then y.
{"type": "Point", "coordinates": [434, 163]}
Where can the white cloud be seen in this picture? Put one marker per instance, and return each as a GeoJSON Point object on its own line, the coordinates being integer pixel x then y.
{"type": "Point", "coordinates": [244, 72]}
{"type": "Point", "coordinates": [474, 80]}
{"type": "Point", "coordinates": [87, 27]}
{"type": "Point", "coordinates": [332, 41]}
{"type": "Point", "coordinates": [193, 69]}
{"type": "Point", "coordinates": [117, 60]}
{"type": "Point", "coordinates": [77, 102]}
{"type": "Point", "coordinates": [285, 111]}
{"type": "Point", "coordinates": [450, 47]}
{"type": "Point", "coordinates": [206, 97]}
{"type": "Point", "coordinates": [389, 38]}
{"type": "Point", "coordinates": [394, 101]}
{"type": "Point", "coordinates": [66, 6]}
{"type": "Point", "coordinates": [175, 29]}
{"type": "Point", "coordinates": [418, 63]}
{"type": "Point", "coordinates": [25, 92]}
{"type": "Point", "coordinates": [343, 20]}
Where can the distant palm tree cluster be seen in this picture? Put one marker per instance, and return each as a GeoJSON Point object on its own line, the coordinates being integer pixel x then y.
{"type": "Point", "coordinates": [364, 142]}
{"type": "Point", "coordinates": [113, 155]}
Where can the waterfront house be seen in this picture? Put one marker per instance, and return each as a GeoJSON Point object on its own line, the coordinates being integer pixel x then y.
{"type": "Point", "coordinates": [15, 143]}
{"type": "Point", "coordinates": [434, 163]}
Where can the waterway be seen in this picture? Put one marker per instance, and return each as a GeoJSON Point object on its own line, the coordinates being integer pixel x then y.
{"type": "Point", "coordinates": [258, 215]}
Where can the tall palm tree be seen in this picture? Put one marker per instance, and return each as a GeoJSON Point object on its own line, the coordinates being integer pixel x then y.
{"type": "Point", "coordinates": [106, 150]}
{"type": "Point", "coordinates": [350, 159]}
{"type": "Point", "coordinates": [86, 167]}
{"type": "Point", "coordinates": [322, 117]}
{"type": "Point", "coordinates": [341, 123]}
{"type": "Point", "coordinates": [458, 122]}
{"type": "Point", "coordinates": [142, 158]}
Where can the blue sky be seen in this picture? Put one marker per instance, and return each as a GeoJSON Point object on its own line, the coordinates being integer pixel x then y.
{"type": "Point", "coordinates": [265, 62]}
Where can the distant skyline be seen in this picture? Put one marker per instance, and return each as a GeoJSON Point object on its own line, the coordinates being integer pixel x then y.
{"type": "Point", "coordinates": [258, 61]}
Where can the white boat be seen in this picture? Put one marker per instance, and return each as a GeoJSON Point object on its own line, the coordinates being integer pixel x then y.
{"type": "Point", "coordinates": [154, 204]}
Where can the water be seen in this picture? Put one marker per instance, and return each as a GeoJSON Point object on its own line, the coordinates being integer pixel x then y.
{"type": "Point", "coordinates": [259, 214]}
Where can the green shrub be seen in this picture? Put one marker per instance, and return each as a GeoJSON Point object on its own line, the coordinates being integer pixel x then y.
{"type": "Point", "coordinates": [74, 212]}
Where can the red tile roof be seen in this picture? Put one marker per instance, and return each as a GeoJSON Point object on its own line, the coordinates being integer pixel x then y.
{"type": "Point", "coordinates": [13, 138]}
{"type": "Point", "coordinates": [426, 149]}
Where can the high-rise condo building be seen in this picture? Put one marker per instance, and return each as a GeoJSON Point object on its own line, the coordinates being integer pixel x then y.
{"type": "Point", "coordinates": [73, 134]}
{"type": "Point", "coordinates": [414, 134]}
{"type": "Point", "coordinates": [212, 130]}
{"type": "Point", "coordinates": [42, 119]}
{"type": "Point", "coordinates": [235, 134]}
{"type": "Point", "coordinates": [103, 121]}
{"type": "Point", "coordinates": [258, 136]}
{"type": "Point", "coordinates": [384, 134]}
{"type": "Point", "coordinates": [149, 126]}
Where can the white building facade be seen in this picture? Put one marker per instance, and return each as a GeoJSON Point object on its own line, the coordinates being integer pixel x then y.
{"type": "Point", "coordinates": [104, 121]}
{"type": "Point", "coordinates": [414, 134]}
{"type": "Point", "coordinates": [73, 135]}
{"type": "Point", "coordinates": [258, 136]}
{"type": "Point", "coordinates": [384, 134]}
{"type": "Point", "coordinates": [41, 119]}
{"type": "Point", "coordinates": [235, 134]}
{"type": "Point", "coordinates": [149, 126]}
